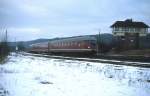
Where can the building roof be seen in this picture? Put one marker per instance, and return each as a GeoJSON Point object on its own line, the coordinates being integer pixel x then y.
{"type": "Point", "coordinates": [129, 23]}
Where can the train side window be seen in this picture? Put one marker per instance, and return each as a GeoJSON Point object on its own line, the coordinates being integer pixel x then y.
{"type": "Point", "coordinates": [71, 43]}
{"type": "Point", "coordinates": [92, 42]}
{"type": "Point", "coordinates": [76, 43]}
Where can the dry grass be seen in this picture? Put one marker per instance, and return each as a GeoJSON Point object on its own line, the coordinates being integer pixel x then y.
{"type": "Point", "coordinates": [144, 52]}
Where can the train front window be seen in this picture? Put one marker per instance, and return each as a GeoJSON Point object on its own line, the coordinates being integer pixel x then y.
{"type": "Point", "coordinates": [93, 42]}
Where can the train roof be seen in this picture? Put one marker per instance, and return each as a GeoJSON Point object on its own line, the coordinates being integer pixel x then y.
{"type": "Point", "coordinates": [77, 38]}
{"type": "Point", "coordinates": [38, 44]}
{"type": "Point", "coordinates": [67, 39]}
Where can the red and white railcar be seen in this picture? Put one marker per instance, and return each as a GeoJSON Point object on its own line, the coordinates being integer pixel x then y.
{"type": "Point", "coordinates": [78, 44]}
{"type": "Point", "coordinates": [73, 44]}
{"type": "Point", "coordinates": [39, 47]}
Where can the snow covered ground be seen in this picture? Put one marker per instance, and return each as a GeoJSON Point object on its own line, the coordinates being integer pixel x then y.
{"type": "Point", "coordinates": [25, 75]}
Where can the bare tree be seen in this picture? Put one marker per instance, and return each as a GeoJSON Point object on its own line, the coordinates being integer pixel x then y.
{"type": "Point", "coordinates": [4, 48]}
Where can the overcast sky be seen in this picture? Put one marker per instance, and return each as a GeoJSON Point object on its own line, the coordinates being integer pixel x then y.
{"type": "Point", "coordinates": [32, 19]}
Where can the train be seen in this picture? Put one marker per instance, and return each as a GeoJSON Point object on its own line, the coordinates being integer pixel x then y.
{"type": "Point", "coordinates": [73, 45]}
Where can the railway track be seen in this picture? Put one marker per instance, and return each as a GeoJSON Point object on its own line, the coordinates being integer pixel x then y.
{"type": "Point", "coordinates": [114, 62]}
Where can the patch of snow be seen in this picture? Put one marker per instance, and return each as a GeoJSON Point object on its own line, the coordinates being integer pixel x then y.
{"type": "Point", "coordinates": [26, 75]}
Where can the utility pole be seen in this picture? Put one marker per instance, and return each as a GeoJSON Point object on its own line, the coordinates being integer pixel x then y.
{"type": "Point", "coordinates": [16, 47]}
{"type": "Point", "coordinates": [98, 43]}
{"type": "Point", "coordinates": [6, 36]}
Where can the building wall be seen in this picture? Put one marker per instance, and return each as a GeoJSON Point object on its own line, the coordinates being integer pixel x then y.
{"type": "Point", "coordinates": [131, 41]}
{"type": "Point", "coordinates": [128, 38]}
{"type": "Point", "coordinates": [121, 31]}
{"type": "Point", "coordinates": [128, 42]}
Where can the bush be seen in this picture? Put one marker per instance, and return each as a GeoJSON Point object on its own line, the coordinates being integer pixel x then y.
{"type": "Point", "coordinates": [4, 50]}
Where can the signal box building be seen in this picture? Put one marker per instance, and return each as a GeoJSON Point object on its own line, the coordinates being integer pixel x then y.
{"type": "Point", "coordinates": [128, 33]}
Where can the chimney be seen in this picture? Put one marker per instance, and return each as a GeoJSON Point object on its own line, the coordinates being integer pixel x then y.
{"type": "Point", "coordinates": [128, 20]}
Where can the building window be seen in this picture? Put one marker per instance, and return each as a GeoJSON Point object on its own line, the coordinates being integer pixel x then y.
{"type": "Point", "coordinates": [126, 29]}
{"type": "Point", "coordinates": [131, 29]}
{"type": "Point", "coordinates": [123, 29]}
{"type": "Point", "coordinates": [116, 29]}
{"type": "Point", "coordinates": [138, 29]}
